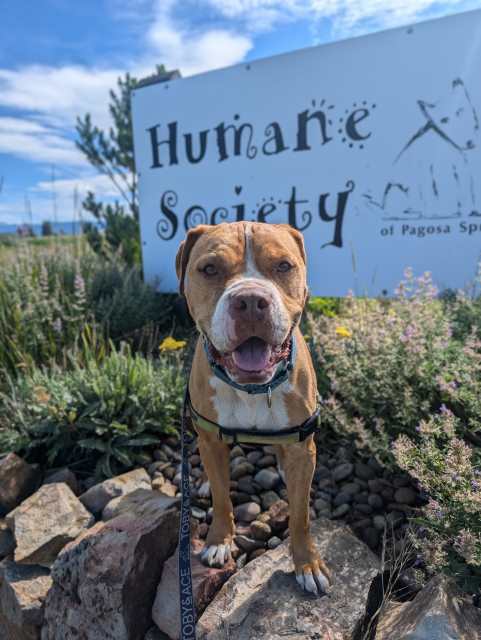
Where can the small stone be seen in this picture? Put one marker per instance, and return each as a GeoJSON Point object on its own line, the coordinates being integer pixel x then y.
{"type": "Point", "coordinates": [401, 481]}
{"type": "Point", "coordinates": [361, 498]}
{"type": "Point", "coordinates": [374, 464]}
{"type": "Point", "coordinates": [267, 479]}
{"type": "Point", "coordinates": [256, 499]}
{"type": "Point", "coordinates": [237, 452]}
{"type": "Point", "coordinates": [247, 512]}
{"type": "Point", "coordinates": [279, 515]}
{"type": "Point", "coordinates": [64, 475]}
{"type": "Point", "coordinates": [273, 542]}
{"type": "Point", "coordinates": [160, 455]}
{"type": "Point", "coordinates": [379, 522]}
{"type": "Point", "coordinates": [268, 498]}
{"type": "Point", "coordinates": [387, 493]}
{"type": "Point", "coordinates": [238, 497]}
{"type": "Point", "coordinates": [267, 461]}
{"type": "Point", "coordinates": [375, 501]}
{"type": "Point", "coordinates": [260, 530]}
{"type": "Point", "coordinates": [322, 505]}
{"type": "Point", "coordinates": [405, 495]}
{"type": "Point", "coordinates": [18, 480]}
{"type": "Point", "coordinates": [96, 498]}
{"type": "Point", "coordinates": [362, 524]}
{"type": "Point", "coordinates": [352, 488]}
{"type": "Point", "coordinates": [254, 456]}
{"type": "Point", "coordinates": [340, 511]}
{"type": "Point", "coordinates": [364, 471]}
{"type": "Point", "coordinates": [256, 554]}
{"type": "Point", "coordinates": [200, 514]}
{"type": "Point", "coordinates": [376, 485]}
{"type": "Point", "coordinates": [342, 471]}
{"type": "Point", "coordinates": [248, 544]}
{"type": "Point", "coordinates": [45, 522]}
{"type": "Point", "coordinates": [165, 486]}
{"type": "Point", "coordinates": [322, 473]}
{"type": "Point", "coordinates": [169, 472]}
{"type": "Point", "coordinates": [364, 508]}
{"type": "Point", "coordinates": [371, 537]}
{"type": "Point", "coordinates": [241, 561]}
{"type": "Point", "coordinates": [195, 460]}
{"type": "Point", "coordinates": [170, 453]}
{"type": "Point", "coordinates": [342, 498]}
{"type": "Point", "coordinates": [269, 450]}
{"type": "Point", "coordinates": [245, 484]}
{"type": "Point", "coordinates": [243, 469]}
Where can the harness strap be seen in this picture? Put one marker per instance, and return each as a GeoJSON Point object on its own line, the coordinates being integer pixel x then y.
{"type": "Point", "coordinates": [254, 436]}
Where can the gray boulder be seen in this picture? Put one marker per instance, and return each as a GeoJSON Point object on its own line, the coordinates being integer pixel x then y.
{"type": "Point", "coordinates": [104, 583]}
{"type": "Point", "coordinates": [138, 500]}
{"type": "Point", "coordinates": [23, 590]}
{"type": "Point", "coordinates": [7, 541]}
{"type": "Point", "coordinates": [45, 522]}
{"type": "Point", "coordinates": [438, 612]}
{"type": "Point", "coordinates": [18, 480]}
{"type": "Point", "coordinates": [98, 496]}
{"type": "Point", "coordinates": [263, 601]}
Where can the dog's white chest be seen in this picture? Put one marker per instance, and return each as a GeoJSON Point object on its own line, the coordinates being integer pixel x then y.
{"type": "Point", "coordinates": [237, 409]}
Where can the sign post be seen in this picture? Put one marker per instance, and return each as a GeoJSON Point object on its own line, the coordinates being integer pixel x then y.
{"type": "Point", "coordinates": [371, 147]}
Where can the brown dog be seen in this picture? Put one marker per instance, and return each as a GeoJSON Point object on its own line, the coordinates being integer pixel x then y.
{"type": "Point", "coordinates": [245, 285]}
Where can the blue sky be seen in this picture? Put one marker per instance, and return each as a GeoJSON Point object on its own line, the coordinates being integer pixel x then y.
{"type": "Point", "coordinates": [59, 58]}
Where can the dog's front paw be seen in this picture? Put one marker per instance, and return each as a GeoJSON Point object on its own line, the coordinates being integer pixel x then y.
{"type": "Point", "coordinates": [216, 555]}
{"type": "Point", "coordinates": [313, 577]}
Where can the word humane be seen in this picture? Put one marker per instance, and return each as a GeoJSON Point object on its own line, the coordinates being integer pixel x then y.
{"type": "Point", "coordinates": [313, 127]}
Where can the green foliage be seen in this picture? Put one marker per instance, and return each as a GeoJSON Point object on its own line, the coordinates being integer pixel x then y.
{"type": "Point", "coordinates": [50, 298]}
{"type": "Point", "coordinates": [450, 471]}
{"type": "Point", "coordinates": [328, 307]}
{"type": "Point", "coordinates": [102, 416]}
{"type": "Point", "coordinates": [403, 377]}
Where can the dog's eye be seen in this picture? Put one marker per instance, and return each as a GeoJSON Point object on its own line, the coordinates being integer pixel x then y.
{"type": "Point", "coordinates": [209, 270]}
{"type": "Point", "coordinates": [284, 266]}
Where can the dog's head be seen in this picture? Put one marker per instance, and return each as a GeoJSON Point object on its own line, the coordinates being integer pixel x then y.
{"type": "Point", "coordinates": [245, 285]}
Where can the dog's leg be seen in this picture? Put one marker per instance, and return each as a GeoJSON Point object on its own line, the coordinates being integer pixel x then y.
{"type": "Point", "coordinates": [215, 458]}
{"type": "Point", "coordinates": [298, 461]}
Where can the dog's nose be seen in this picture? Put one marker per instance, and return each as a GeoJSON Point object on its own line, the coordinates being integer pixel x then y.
{"type": "Point", "coordinates": [249, 305]}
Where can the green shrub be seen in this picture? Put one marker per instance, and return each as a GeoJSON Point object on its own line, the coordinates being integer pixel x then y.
{"type": "Point", "coordinates": [100, 417]}
{"type": "Point", "coordinates": [450, 472]}
{"type": "Point", "coordinates": [50, 296]}
{"type": "Point", "coordinates": [329, 307]}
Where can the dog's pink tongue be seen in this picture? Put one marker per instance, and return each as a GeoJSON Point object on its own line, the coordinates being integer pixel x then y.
{"type": "Point", "coordinates": [252, 355]}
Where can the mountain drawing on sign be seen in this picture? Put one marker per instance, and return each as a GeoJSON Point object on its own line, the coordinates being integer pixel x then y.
{"type": "Point", "coordinates": [432, 176]}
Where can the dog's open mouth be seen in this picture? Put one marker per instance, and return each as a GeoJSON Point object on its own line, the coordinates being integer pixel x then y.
{"type": "Point", "coordinates": [252, 360]}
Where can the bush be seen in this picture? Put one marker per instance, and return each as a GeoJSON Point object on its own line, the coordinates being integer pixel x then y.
{"type": "Point", "coordinates": [49, 298]}
{"type": "Point", "coordinates": [100, 417]}
{"type": "Point", "coordinates": [403, 377]}
{"type": "Point", "coordinates": [450, 471]}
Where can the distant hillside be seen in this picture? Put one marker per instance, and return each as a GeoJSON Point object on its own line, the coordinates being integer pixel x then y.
{"type": "Point", "coordinates": [67, 227]}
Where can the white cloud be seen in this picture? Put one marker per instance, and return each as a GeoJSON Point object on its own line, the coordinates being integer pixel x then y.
{"type": "Point", "coordinates": [34, 141]}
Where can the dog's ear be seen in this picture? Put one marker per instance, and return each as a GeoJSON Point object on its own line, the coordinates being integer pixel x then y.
{"type": "Point", "coordinates": [183, 253]}
{"type": "Point", "coordinates": [299, 238]}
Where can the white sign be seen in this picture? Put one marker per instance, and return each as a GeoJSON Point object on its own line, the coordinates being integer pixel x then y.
{"type": "Point", "coordinates": [371, 147]}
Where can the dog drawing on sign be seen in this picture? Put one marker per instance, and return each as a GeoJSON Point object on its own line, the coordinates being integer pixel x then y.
{"type": "Point", "coordinates": [442, 186]}
{"type": "Point", "coordinates": [245, 286]}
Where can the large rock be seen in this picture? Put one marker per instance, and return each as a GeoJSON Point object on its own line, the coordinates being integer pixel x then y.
{"type": "Point", "coordinates": [104, 583]}
{"type": "Point", "coordinates": [438, 612]}
{"type": "Point", "coordinates": [45, 522]}
{"type": "Point", "coordinates": [263, 601]}
{"type": "Point", "coordinates": [98, 496]}
{"type": "Point", "coordinates": [138, 499]}
{"type": "Point", "coordinates": [18, 480]}
{"type": "Point", "coordinates": [206, 582]}
{"type": "Point", "coordinates": [23, 590]}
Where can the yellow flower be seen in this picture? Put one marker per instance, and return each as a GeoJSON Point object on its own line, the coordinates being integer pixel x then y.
{"type": "Point", "coordinates": [343, 332]}
{"type": "Point", "coordinates": [171, 344]}
{"type": "Point", "coordinates": [41, 395]}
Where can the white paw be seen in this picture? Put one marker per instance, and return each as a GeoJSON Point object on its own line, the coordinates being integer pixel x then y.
{"type": "Point", "coordinates": [313, 582]}
{"type": "Point", "coordinates": [204, 490]}
{"type": "Point", "coordinates": [216, 555]}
